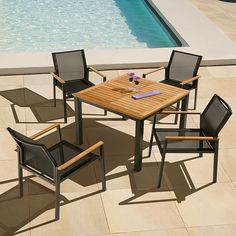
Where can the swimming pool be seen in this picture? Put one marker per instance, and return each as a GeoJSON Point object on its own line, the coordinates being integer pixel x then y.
{"type": "Point", "coordinates": [45, 26]}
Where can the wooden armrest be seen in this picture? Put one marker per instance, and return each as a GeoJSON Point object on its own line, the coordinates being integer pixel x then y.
{"type": "Point", "coordinates": [190, 80]}
{"type": "Point", "coordinates": [150, 72]}
{"type": "Point", "coordinates": [98, 72]}
{"type": "Point", "coordinates": [79, 156]}
{"type": "Point", "coordinates": [180, 112]}
{"type": "Point", "coordinates": [57, 78]}
{"type": "Point", "coordinates": [191, 138]}
{"type": "Point", "coordinates": [45, 131]}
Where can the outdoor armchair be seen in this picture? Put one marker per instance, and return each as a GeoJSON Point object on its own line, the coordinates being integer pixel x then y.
{"type": "Point", "coordinates": [71, 74]}
{"type": "Point", "coordinates": [54, 164]}
{"type": "Point", "coordinates": [181, 71]}
{"type": "Point", "coordinates": [194, 140]}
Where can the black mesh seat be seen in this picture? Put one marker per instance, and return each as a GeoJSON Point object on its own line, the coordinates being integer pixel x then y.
{"type": "Point", "coordinates": [186, 146]}
{"type": "Point", "coordinates": [173, 83]}
{"type": "Point", "coordinates": [72, 87]}
{"type": "Point", "coordinates": [181, 71]}
{"type": "Point", "coordinates": [64, 151]}
{"type": "Point", "coordinates": [71, 74]}
{"type": "Point", "coordinates": [54, 164]}
{"type": "Point", "coordinates": [193, 140]}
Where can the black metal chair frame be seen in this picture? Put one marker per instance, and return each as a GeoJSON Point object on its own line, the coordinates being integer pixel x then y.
{"type": "Point", "coordinates": [189, 83]}
{"type": "Point", "coordinates": [64, 85]}
{"type": "Point", "coordinates": [205, 135]}
{"type": "Point", "coordinates": [60, 172]}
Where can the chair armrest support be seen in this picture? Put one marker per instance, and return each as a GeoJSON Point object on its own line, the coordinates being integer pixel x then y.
{"type": "Point", "coordinates": [59, 79]}
{"type": "Point", "coordinates": [191, 138]}
{"type": "Point", "coordinates": [98, 72]}
{"type": "Point", "coordinates": [79, 156]}
{"type": "Point", "coordinates": [190, 80]}
{"type": "Point", "coordinates": [45, 130]}
{"type": "Point", "coordinates": [160, 68]}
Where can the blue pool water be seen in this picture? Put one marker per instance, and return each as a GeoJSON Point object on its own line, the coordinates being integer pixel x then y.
{"type": "Point", "coordinates": [49, 25]}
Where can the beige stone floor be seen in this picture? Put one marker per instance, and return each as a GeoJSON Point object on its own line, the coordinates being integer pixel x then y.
{"type": "Point", "coordinates": [132, 205]}
{"type": "Point", "coordinates": [221, 12]}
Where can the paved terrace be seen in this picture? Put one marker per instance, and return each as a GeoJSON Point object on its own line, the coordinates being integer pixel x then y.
{"type": "Point", "coordinates": [131, 205]}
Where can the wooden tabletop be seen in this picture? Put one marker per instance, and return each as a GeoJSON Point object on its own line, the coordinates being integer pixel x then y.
{"type": "Point", "coordinates": [114, 95]}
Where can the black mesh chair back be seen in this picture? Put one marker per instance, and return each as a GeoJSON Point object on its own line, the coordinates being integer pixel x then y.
{"type": "Point", "coordinates": [182, 66]}
{"type": "Point", "coordinates": [181, 72]}
{"type": "Point", "coordinates": [70, 65]}
{"type": "Point", "coordinates": [214, 116]}
{"type": "Point", "coordinates": [71, 75]}
{"type": "Point", "coordinates": [33, 155]}
{"type": "Point", "coordinates": [71, 68]}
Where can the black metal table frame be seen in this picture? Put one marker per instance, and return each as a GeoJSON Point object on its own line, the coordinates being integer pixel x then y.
{"type": "Point", "coordinates": [139, 127]}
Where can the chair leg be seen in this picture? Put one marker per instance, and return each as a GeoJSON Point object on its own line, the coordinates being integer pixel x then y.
{"type": "Point", "coordinates": [102, 165]}
{"type": "Point", "coordinates": [215, 166]}
{"type": "Point", "coordinates": [20, 173]}
{"type": "Point", "coordinates": [54, 94]}
{"type": "Point", "coordinates": [150, 144]}
{"type": "Point", "coordinates": [161, 170]}
{"type": "Point", "coordinates": [64, 103]}
{"type": "Point", "coordinates": [57, 200]}
{"type": "Point", "coordinates": [200, 147]}
{"type": "Point", "coordinates": [195, 99]}
{"type": "Point", "coordinates": [152, 134]}
{"type": "Point", "coordinates": [176, 115]}
{"type": "Point", "coordinates": [162, 165]}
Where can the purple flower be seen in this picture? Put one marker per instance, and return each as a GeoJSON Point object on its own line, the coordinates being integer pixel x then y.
{"type": "Point", "coordinates": [137, 78]}
{"type": "Point", "coordinates": [130, 74]}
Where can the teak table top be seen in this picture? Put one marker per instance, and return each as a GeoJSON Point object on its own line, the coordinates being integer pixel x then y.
{"type": "Point", "coordinates": [114, 95]}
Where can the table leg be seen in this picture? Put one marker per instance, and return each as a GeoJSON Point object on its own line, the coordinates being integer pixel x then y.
{"type": "Point", "coordinates": [184, 107]}
{"type": "Point", "coordinates": [138, 145]}
{"type": "Point", "coordinates": [78, 121]}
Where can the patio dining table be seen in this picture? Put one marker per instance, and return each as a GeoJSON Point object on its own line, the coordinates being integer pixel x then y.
{"type": "Point", "coordinates": [115, 96]}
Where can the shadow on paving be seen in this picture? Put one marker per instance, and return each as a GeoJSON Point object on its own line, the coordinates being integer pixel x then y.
{"type": "Point", "coordinates": [17, 212]}
{"type": "Point", "coordinates": [42, 108]}
{"type": "Point", "coordinates": [179, 182]}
